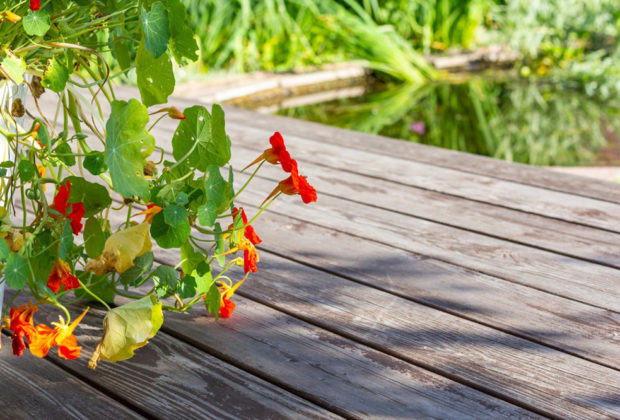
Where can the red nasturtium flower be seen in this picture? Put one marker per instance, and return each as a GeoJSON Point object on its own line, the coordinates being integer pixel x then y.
{"type": "Point", "coordinates": [249, 230]}
{"type": "Point", "coordinates": [21, 325]}
{"type": "Point", "coordinates": [277, 153]}
{"type": "Point", "coordinates": [61, 335]}
{"type": "Point", "coordinates": [61, 275]}
{"type": "Point", "coordinates": [61, 205]}
{"type": "Point", "coordinates": [226, 308]}
{"type": "Point", "coordinates": [295, 184]}
{"type": "Point", "coordinates": [35, 5]}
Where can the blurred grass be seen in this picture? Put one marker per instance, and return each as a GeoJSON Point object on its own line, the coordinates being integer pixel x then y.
{"type": "Point", "coordinates": [278, 35]}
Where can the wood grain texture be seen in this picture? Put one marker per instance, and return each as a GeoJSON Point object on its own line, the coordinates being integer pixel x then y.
{"type": "Point", "coordinates": [528, 229]}
{"type": "Point", "coordinates": [579, 280]}
{"type": "Point", "coordinates": [589, 332]}
{"type": "Point", "coordinates": [344, 375]}
{"type": "Point", "coordinates": [519, 370]}
{"type": "Point", "coordinates": [36, 388]}
{"type": "Point", "coordinates": [171, 379]}
{"type": "Point", "coordinates": [509, 194]}
{"type": "Point", "coordinates": [572, 278]}
{"type": "Point", "coordinates": [463, 162]}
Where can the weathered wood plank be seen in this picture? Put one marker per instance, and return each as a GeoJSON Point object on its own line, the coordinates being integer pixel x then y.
{"type": "Point", "coordinates": [529, 229]}
{"type": "Point", "coordinates": [463, 162]}
{"type": "Point", "coordinates": [460, 161]}
{"type": "Point", "coordinates": [573, 327]}
{"type": "Point", "coordinates": [576, 279]}
{"type": "Point", "coordinates": [556, 383]}
{"type": "Point", "coordinates": [169, 377]}
{"type": "Point", "coordinates": [36, 388]}
{"type": "Point", "coordinates": [563, 206]}
{"type": "Point", "coordinates": [345, 375]}
{"type": "Point", "coordinates": [525, 228]}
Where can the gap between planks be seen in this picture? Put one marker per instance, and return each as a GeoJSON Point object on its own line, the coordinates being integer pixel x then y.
{"type": "Point", "coordinates": [320, 289]}
{"type": "Point", "coordinates": [174, 384]}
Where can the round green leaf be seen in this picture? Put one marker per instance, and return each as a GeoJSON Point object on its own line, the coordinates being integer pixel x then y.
{"type": "Point", "coordinates": [16, 271]}
{"type": "Point", "coordinates": [168, 236]}
{"type": "Point", "coordinates": [36, 23]}
{"type": "Point", "coordinates": [127, 144]}
{"type": "Point", "coordinates": [156, 29]}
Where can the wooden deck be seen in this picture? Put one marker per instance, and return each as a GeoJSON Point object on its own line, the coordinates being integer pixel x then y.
{"type": "Point", "coordinates": [423, 283]}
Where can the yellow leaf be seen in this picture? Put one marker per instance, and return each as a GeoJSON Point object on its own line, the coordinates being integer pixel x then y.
{"type": "Point", "coordinates": [121, 248]}
{"type": "Point", "coordinates": [127, 328]}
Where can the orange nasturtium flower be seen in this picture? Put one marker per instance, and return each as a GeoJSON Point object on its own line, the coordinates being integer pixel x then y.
{"type": "Point", "coordinates": [248, 231]}
{"type": "Point", "coordinates": [61, 335]}
{"type": "Point", "coordinates": [227, 306]}
{"type": "Point", "coordinates": [41, 170]}
{"type": "Point", "coordinates": [295, 184]}
{"type": "Point", "coordinates": [246, 239]}
{"type": "Point", "coordinates": [277, 153]}
{"type": "Point", "coordinates": [61, 274]}
{"type": "Point", "coordinates": [150, 212]}
{"type": "Point", "coordinates": [21, 325]}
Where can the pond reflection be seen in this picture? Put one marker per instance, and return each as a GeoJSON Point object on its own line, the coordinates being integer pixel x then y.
{"type": "Point", "coordinates": [540, 123]}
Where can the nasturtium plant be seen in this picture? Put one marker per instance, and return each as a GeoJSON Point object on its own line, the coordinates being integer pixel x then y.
{"type": "Point", "coordinates": [100, 197]}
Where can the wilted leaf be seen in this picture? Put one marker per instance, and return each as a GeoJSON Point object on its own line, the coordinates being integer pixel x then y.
{"type": "Point", "coordinates": [56, 76]}
{"type": "Point", "coordinates": [121, 248]}
{"type": "Point", "coordinates": [127, 328]}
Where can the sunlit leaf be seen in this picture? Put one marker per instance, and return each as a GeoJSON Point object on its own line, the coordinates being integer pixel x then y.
{"type": "Point", "coordinates": [128, 144]}
{"type": "Point", "coordinates": [36, 23]}
{"type": "Point", "coordinates": [127, 328]}
{"type": "Point", "coordinates": [14, 66]}
{"type": "Point", "coordinates": [213, 301]}
{"type": "Point", "coordinates": [155, 77]}
{"type": "Point", "coordinates": [182, 41]}
{"type": "Point", "coordinates": [199, 141]}
{"type": "Point", "coordinates": [56, 76]}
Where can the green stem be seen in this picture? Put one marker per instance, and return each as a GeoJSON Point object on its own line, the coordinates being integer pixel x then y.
{"type": "Point", "coordinates": [97, 298]}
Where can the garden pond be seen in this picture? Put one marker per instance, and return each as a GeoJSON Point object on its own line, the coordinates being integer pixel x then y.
{"type": "Point", "coordinates": [539, 122]}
